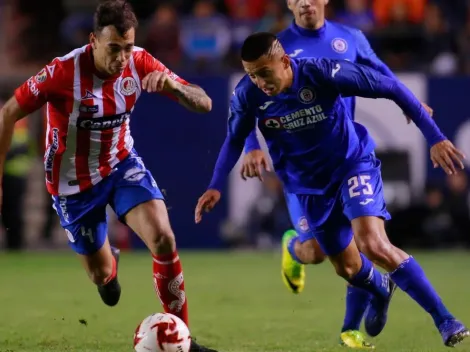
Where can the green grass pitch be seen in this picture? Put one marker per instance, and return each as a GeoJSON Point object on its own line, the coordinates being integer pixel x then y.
{"type": "Point", "coordinates": [237, 303]}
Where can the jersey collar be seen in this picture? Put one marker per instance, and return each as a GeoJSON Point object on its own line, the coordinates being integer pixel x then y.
{"type": "Point", "coordinates": [308, 32]}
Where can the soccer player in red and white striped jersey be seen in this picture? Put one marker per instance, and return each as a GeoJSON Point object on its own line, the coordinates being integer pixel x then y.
{"type": "Point", "coordinates": [90, 161]}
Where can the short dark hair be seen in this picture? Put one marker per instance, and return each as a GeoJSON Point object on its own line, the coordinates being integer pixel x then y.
{"type": "Point", "coordinates": [257, 45]}
{"type": "Point", "coordinates": [117, 13]}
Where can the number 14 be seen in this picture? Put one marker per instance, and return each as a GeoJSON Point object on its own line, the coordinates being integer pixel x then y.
{"type": "Point", "coordinates": [354, 183]}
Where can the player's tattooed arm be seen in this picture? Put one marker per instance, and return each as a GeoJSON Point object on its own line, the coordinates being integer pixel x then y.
{"type": "Point", "coordinates": [192, 97]}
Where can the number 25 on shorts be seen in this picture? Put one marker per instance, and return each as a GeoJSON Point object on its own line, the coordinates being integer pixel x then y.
{"type": "Point", "coordinates": [360, 185]}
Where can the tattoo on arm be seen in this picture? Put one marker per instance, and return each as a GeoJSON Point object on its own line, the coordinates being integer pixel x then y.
{"type": "Point", "coordinates": [193, 97]}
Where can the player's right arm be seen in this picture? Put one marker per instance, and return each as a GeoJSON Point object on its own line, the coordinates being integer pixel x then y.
{"type": "Point", "coordinates": [241, 122]}
{"type": "Point", "coordinates": [30, 96]}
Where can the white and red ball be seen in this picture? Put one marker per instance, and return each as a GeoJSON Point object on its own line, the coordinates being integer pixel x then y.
{"type": "Point", "coordinates": [162, 332]}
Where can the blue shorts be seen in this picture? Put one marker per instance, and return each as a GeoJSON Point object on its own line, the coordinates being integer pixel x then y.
{"type": "Point", "coordinates": [329, 216]}
{"type": "Point", "coordinates": [83, 215]}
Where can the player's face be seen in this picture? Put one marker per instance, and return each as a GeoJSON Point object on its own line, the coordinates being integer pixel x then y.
{"type": "Point", "coordinates": [271, 75]}
{"type": "Point", "coordinates": [112, 51]}
{"type": "Point", "coordinates": [308, 13]}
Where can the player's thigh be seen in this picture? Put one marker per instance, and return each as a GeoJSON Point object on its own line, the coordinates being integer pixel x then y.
{"type": "Point", "coordinates": [364, 205]}
{"type": "Point", "coordinates": [330, 228]}
{"type": "Point", "coordinates": [139, 203]}
{"type": "Point", "coordinates": [87, 235]}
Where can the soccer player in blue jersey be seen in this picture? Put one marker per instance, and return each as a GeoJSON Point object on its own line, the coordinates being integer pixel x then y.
{"type": "Point", "coordinates": [327, 162]}
{"type": "Point", "coordinates": [310, 35]}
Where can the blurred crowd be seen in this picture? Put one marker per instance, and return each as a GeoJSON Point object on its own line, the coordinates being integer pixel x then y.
{"type": "Point", "coordinates": [425, 35]}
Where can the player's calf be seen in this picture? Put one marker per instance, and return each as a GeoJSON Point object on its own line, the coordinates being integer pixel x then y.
{"type": "Point", "coordinates": [110, 289]}
{"type": "Point", "coordinates": [150, 221]}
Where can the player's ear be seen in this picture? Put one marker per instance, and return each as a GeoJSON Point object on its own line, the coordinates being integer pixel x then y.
{"type": "Point", "coordinates": [289, 4]}
{"type": "Point", "coordinates": [92, 38]}
{"type": "Point", "coordinates": [286, 61]}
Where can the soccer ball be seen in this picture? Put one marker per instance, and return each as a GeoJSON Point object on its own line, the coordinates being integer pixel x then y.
{"type": "Point", "coordinates": [162, 332]}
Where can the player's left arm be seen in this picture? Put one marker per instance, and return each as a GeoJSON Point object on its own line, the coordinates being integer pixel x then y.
{"type": "Point", "coordinates": [158, 78]}
{"type": "Point", "coordinates": [348, 79]}
{"type": "Point", "coordinates": [367, 56]}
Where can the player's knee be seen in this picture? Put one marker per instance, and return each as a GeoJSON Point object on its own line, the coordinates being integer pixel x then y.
{"type": "Point", "coordinates": [100, 275]}
{"type": "Point", "coordinates": [347, 270]}
{"type": "Point", "coordinates": [375, 247]}
{"type": "Point", "coordinates": [312, 253]}
{"type": "Point", "coordinates": [162, 240]}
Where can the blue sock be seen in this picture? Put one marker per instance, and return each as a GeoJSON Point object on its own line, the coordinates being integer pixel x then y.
{"type": "Point", "coordinates": [357, 301]}
{"type": "Point", "coordinates": [410, 277]}
{"type": "Point", "coordinates": [370, 279]}
{"type": "Point", "coordinates": [291, 249]}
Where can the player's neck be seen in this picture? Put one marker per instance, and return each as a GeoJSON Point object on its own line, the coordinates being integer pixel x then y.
{"type": "Point", "coordinates": [289, 79]}
{"type": "Point", "coordinates": [314, 27]}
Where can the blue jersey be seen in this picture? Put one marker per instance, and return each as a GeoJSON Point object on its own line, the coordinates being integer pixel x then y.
{"type": "Point", "coordinates": [332, 41]}
{"type": "Point", "coordinates": [311, 137]}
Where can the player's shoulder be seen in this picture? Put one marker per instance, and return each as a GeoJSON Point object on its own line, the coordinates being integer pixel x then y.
{"type": "Point", "coordinates": [285, 35]}
{"type": "Point", "coordinates": [58, 70]}
{"type": "Point", "coordinates": [345, 30]}
{"type": "Point", "coordinates": [245, 91]}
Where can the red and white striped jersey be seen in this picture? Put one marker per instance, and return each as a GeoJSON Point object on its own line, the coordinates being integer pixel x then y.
{"type": "Point", "coordinates": [87, 117]}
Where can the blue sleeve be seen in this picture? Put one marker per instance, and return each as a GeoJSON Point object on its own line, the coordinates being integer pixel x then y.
{"type": "Point", "coordinates": [349, 79]}
{"type": "Point", "coordinates": [367, 56]}
{"type": "Point", "coordinates": [240, 123]}
{"type": "Point", "coordinates": [251, 142]}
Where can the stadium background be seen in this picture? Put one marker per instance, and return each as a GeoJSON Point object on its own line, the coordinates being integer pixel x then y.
{"type": "Point", "coordinates": [237, 300]}
{"type": "Point", "coordinates": [427, 43]}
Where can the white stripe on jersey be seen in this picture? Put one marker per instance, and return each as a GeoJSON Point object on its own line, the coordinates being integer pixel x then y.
{"type": "Point", "coordinates": [68, 169]}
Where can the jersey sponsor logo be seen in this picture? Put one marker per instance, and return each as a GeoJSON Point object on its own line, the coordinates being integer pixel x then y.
{"type": "Point", "coordinates": [339, 45]}
{"type": "Point", "coordinates": [32, 87]}
{"type": "Point", "coordinates": [265, 105]}
{"type": "Point", "coordinates": [41, 76]}
{"type": "Point", "coordinates": [306, 95]}
{"type": "Point", "coordinates": [102, 123]}
{"type": "Point", "coordinates": [298, 120]}
{"type": "Point", "coordinates": [88, 95]}
{"type": "Point", "coordinates": [50, 155]}
{"type": "Point", "coordinates": [296, 52]}
{"type": "Point", "coordinates": [88, 109]}
{"type": "Point", "coordinates": [128, 86]}
{"type": "Point", "coordinates": [303, 224]}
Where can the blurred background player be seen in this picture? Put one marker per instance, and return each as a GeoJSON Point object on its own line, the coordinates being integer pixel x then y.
{"type": "Point", "coordinates": [90, 161]}
{"type": "Point", "coordinates": [310, 35]}
{"type": "Point", "coordinates": [328, 162]}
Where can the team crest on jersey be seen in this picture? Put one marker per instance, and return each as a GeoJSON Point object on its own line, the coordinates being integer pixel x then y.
{"type": "Point", "coordinates": [339, 45]}
{"type": "Point", "coordinates": [50, 155]}
{"type": "Point", "coordinates": [303, 224]}
{"type": "Point", "coordinates": [41, 76]}
{"type": "Point", "coordinates": [306, 95]}
{"type": "Point", "coordinates": [128, 86]}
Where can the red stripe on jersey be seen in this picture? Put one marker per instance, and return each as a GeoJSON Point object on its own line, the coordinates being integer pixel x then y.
{"type": "Point", "coordinates": [58, 125]}
{"type": "Point", "coordinates": [121, 147]}
{"type": "Point", "coordinates": [109, 109]}
{"type": "Point", "coordinates": [83, 135]}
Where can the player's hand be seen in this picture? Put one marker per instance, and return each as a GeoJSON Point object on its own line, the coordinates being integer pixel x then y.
{"type": "Point", "coordinates": [158, 81]}
{"type": "Point", "coordinates": [445, 155]}
{"type": "Point", "coordinates": [206, 203]}
{"type": "Point", "coordinates": [254, 163]}
{"type": "Point", "coordinates": [426, 107]}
